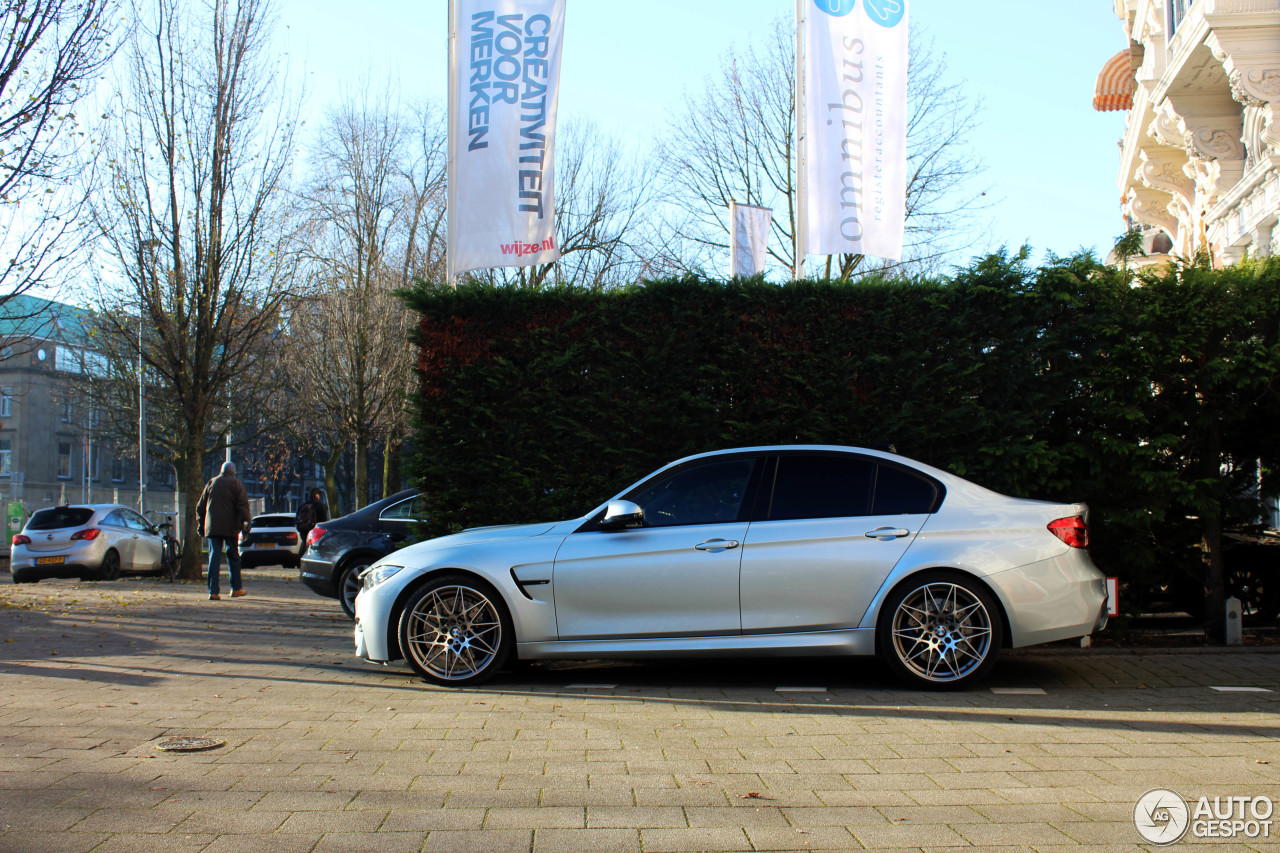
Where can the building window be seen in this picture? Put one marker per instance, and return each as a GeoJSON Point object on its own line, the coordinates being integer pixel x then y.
{"type": "Point", "coordinates": [64, 460]}
{"type": "Point", "coordinates": [92, 466]}
{"type": "Point", "coordinates": [117, 470]}
{"type": "Point", "coordinates": [66, 360]}
{"type": "Point", "coordinates": [6, 402]}
{"type": "Point", "coordinates": [66, 410]}
{"type": "Point", "coordinates": [6, 457]}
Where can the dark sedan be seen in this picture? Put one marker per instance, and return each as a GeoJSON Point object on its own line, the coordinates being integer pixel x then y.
{"type": "Point", "coordinates": [337, 551]}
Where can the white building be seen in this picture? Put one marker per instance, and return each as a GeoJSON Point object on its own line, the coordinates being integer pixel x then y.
{"type": "Point", "coordinates": [1200, 159]}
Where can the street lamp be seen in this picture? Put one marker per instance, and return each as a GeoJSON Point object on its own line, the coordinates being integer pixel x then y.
{"type": "Point", "coordinates": [149, 246]}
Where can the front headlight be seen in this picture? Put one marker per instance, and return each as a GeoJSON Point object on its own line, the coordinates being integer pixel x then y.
{"type": "Point", "coordinates": [377, 574]}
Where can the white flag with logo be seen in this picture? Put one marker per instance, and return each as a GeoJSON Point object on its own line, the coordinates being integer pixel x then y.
{"type": "Point", "coordinates": [749, 240]}
{"type": "Point", "coordinates": [854, 158]}
{"type": "Point", "coordinates": [504, 76]}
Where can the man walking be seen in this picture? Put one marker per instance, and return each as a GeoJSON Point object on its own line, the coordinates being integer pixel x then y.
{"type": "Point", "coordinates": [223, 511]}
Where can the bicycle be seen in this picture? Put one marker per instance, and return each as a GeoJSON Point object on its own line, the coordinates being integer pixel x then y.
{"type": "Point", "coordinates": [171, 550]}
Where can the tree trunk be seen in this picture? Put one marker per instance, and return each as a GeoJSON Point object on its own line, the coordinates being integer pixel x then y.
{"type": "Point", "coordinates": [189, 465]}
{"type": "Point", "coordinates": [1211, 525]}
{"type": "Point", "coordinates": [361, 478]}
{"type": "Point", "coordinates": [391, 468]}
{"type": "Point", "coordinates": [331, 480]}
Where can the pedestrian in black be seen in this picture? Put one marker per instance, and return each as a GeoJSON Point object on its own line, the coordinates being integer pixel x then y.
{"type": "Point", "coordinates": [311, 513]}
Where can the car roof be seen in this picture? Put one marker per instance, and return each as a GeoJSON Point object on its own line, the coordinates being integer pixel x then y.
{"type": "Point", "coordinates": [94, 507]}
{"type": "Point", "coordinates": [374, 509]}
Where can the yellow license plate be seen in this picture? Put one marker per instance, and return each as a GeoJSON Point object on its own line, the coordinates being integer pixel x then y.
{"type": "Point", "coordinates": [50, 561]}
{"type": "Point", "coordinates": [265, 545]}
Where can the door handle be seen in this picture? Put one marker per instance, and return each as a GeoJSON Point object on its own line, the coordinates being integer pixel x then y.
{"type": "Point", "coordinates": [716, 545]}
{"type": "Point", "coordinates": [884, 534]}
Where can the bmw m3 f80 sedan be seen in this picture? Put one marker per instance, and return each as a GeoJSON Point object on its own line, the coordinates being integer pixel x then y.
{"type": "Point", "coordinates": [790, 550]}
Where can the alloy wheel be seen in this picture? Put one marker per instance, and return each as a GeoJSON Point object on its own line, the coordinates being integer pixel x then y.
{"type": "Point", "coordinates": [453, 633]}
{"type": "Point", "coordinates": [941, 632]}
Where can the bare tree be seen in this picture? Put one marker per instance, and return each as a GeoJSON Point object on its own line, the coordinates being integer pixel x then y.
{"type": "Point", "coordinates": [194, 224]}
{"type": "Point", "coordinates": [602, 190]}
{"type": "Point", "coordinates": [375, 215]}
{"type": "Point", "coordinates": [52, 53]}
{"type": "Point", "coordinates": [735, 141]}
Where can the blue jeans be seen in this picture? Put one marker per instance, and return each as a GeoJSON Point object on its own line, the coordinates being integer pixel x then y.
{"type": "Point", "coordinates": [216, 544]}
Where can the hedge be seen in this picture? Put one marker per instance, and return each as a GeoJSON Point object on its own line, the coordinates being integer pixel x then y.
{"type": "Point", "coordinates": [1063, 382]}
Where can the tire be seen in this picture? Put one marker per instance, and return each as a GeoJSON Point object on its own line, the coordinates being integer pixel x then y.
{"type": "Point", "coordinates": [349, 583]}
{"type": "Point", "coordinates": [1257, 587]}
{"type": "Point", "coordinates": [455, 631]}
{"type": "Point", "coordinates": [18, 578]}
{"type": "Point", "coordinates": [940, 630]}
{"type": "Point", "coordinates": [110, 567]}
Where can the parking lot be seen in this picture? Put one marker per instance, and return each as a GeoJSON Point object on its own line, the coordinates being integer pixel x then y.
{"type": "Point", "coordinates": [326, 753]}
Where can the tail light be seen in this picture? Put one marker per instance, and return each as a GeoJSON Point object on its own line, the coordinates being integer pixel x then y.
{"type": "Point", "coordinates": [291, 538]}
{"type": "Point", "coordinates": [89, 533]}
{"type": "Point", "coordinates": [316, 534]}
{"type": "Point", "coordinates": [20, 539]}
{"type": "Point", "coordinates": [1072, 530]}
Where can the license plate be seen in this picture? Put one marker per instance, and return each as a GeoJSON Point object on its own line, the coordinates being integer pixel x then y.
{"type": "Point", "coordinates": [265, 545]}
{"type": "Point", "coordinates": [50, 561]}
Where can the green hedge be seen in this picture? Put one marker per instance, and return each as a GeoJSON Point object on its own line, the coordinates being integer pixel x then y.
{"type": "Point", "coordinates": [1062, 383]}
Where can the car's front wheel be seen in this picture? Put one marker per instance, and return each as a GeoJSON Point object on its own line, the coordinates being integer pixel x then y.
{"type": "Point", "coordinates": [455, 631]}
{"type": "Point", "coordinates": [940, 631]}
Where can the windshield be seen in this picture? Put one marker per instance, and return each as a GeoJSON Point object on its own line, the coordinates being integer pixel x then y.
{"type": "Point", "coordinates": [59, 517]}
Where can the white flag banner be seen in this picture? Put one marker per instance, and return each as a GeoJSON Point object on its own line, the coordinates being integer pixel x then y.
{"type": "Point", "coordinates": [749, 240]}
{"type": "Point", "coordinates": [854, 128]}
{"type": "Point", "coordinates": [504, 78]}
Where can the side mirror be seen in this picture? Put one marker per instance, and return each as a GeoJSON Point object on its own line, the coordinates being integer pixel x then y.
{"type": "Point", "coordinates": [620, 515]}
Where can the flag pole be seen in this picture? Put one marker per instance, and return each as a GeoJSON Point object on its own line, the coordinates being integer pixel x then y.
{"type": "Point", "coordinates": [733, 239]}
{"type": "Point", "coordinates": [802, 190]}
{"type": "Point", "coordinates": [450, 273]}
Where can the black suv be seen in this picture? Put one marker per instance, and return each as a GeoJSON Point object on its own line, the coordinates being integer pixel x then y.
{"type": "Point", "coordinates": [338, 551]}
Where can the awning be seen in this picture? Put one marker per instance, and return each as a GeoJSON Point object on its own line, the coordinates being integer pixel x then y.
{"type": "Point", "coordinates": [1114, 88]}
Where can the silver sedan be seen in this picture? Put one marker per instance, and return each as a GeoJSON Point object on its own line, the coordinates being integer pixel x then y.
{"type": "Point", "coordinates": [790, 550]}
{"type": "Point", "coordinates": [89, 541]}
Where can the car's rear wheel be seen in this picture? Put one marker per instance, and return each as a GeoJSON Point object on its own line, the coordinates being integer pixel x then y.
{"type": "Point", "coordinates": [19, 577]}
{"type": "Point", "coordinates": [349, 582]}
{"type": "Point", "coordinates": [940, 631]}
{"type": "Point", "coordinates": [455, 631]}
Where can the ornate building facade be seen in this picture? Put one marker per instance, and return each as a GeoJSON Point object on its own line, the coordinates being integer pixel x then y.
{"type": "Point", "coordinates": [1200, 158]}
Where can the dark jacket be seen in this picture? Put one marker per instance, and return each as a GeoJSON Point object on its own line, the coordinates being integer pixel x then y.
{"type": "Point", "coordinates": [319, 515]}
{"type": "Point", "coordinates": [223, 509]}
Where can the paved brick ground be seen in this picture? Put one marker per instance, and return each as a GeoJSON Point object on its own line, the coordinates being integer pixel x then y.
{"type": "Point", "coordinates": [324, 753]}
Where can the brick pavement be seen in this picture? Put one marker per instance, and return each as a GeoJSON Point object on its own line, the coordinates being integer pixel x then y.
{"type": "Point", "coordinates": [325, 753]}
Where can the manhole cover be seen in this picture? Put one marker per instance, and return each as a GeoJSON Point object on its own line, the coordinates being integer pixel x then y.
{"type": "Point", "coordinates": [189, 744]}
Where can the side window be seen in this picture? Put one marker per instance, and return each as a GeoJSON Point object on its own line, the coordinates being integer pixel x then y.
{"type": "Point", "coordinates": [826, 486]}
{"type": "Point", "coordinates": [704, 494]}
{"type": "Point", "coordinates": [900, 492]}
{"type": "Point", "coordinates": [115, 519]}
{"type": "Point", "coordinates": [403, 511]}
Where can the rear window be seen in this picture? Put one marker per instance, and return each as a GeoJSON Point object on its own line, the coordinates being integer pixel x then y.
{"type": "Point", "coordinates": [274, 521]}
{"type": "Point", "coordinates": [900, 492]}
{"type": "Point", "coordinates": [59, 517]}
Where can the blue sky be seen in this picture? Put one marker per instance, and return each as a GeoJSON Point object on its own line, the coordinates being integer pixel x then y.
{"type": "Point", "coordinates": [1051, 160]}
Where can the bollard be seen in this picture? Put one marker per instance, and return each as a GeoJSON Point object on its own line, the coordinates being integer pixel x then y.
{"type": "Point", "coordinates": [1235, 627]}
